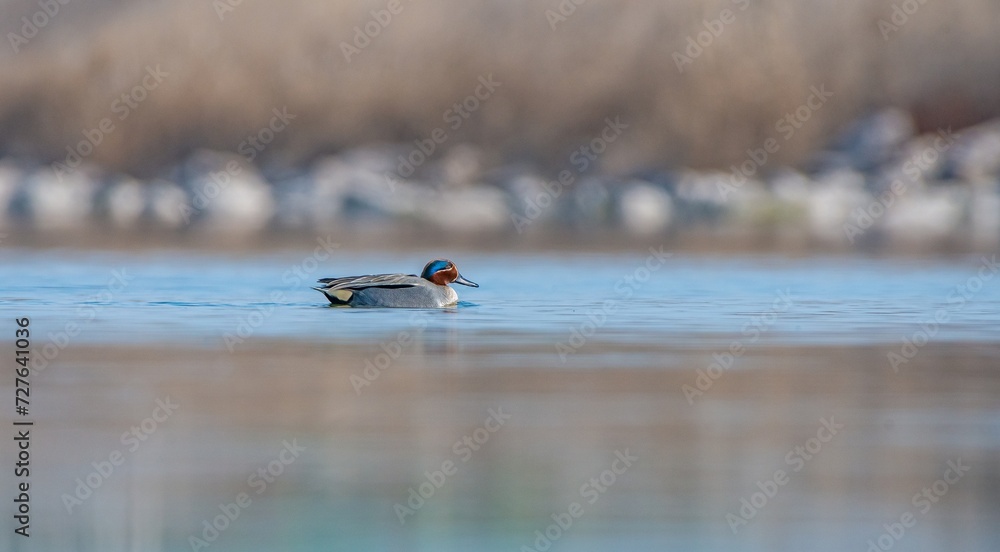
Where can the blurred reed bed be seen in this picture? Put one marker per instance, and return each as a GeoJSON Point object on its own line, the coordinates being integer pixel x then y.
{"type": "Point", "coordinates": [228, 70]}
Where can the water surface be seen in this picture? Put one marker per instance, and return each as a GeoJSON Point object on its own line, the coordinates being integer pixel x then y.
{"type": "Point", "coordinates": [197, 298]}
{"type": "Point", "coordinates": [713, 373]}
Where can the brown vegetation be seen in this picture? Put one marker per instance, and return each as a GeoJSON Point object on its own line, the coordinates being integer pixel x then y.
{"type": "Point", "coordinates": [558, 85]}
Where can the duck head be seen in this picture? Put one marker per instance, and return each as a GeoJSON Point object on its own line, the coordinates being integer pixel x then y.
{"type": "Point", "coordinates": [443, 272]}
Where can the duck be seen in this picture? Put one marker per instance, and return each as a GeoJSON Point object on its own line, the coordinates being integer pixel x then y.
{"type": "Point", "coordinates": [429, 290]}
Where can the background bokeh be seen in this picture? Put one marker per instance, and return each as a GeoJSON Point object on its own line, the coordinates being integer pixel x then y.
{"type": "Point", "coordinates": [605, 59]}
{"type": "Point", "coordinates": [699, 86]}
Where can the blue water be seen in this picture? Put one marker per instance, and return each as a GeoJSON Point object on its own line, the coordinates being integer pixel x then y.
{"type": "Point", "coordinates": [201, 298]}
{"type": "Point", "coordinates": [588, 353]}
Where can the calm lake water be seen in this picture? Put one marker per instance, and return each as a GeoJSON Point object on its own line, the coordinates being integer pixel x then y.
{"type": "Point", "coordinates": [572, 402]}
{"type": "Point", "coordinates": [198, 299]}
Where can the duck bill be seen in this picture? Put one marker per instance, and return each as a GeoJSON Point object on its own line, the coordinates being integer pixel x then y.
{"type": "Point", "coordinates": [461, 280]}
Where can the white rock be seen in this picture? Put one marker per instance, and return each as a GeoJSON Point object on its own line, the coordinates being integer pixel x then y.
{"type": "Point", "coordinates": [977, 153]}
{"type": "Point", "coordinates": [231, 201]}
{"type": "Point", "coordinates": [373, 159]}
{"type": "Point", "coordinates": [920, 161]}
{"type": "Point", "coordinates": [714, 188]}
{"type": "Point", "coordinates": [126, 201]}
{"type": "Point", "coordinates": [791, 186]}
{"type": "Point", "coordinates": [934, 213]}
{"type": "Point", "coordinates": [534, 199]}
{"type": "Point", "coordinates": [470, 209]}
{"type": "Point", "coordinates": [646, 209]}
{"type": "Point", "coordinates": [398, 199]}
{"type": "Point", "coordinates": [461, 165]}
{"type": "Point", "coordinates": [169, 205]}
{"type": "Point", "coordinates": [244, 205]}
{"type": "Point", "coordinates": [833, 198]}
{"type": "Point", "coordinates": [59, 203]}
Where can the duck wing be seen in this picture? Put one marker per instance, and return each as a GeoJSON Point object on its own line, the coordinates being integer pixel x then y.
{"type": "Point", "coordinates": [341, 291]}
{"type": "Point", "coordinates": [387, 281]}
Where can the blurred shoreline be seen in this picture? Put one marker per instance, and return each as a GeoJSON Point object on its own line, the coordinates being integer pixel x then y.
{"type": "Point", "coordinates": [725, 125]}
{"type": "Point", "coordinates": [403, 239]}
{"type": "Point", "coordinates": [880, 187]}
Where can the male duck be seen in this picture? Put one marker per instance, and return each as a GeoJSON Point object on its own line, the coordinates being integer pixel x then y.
{"type": "Point", "coordinates": [429, 290]}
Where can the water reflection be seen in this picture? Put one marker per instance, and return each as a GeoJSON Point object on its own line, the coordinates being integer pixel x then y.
{"type": "Point", "coordinates": [364, 450]}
